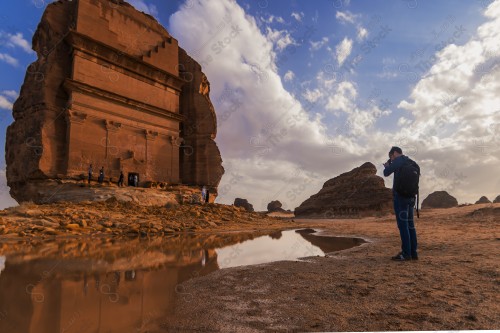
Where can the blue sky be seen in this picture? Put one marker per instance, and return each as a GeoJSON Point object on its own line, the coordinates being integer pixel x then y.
{"type": "Point", "coordinates": [306, 90]}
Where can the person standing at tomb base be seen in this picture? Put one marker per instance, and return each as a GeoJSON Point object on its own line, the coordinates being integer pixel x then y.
{"type": "Point", "coordinates": [90, 173]}
{"type": "Point", "coordinates": [101, 175]}
{"type": "Point", "coordinates": [136, 181]}
{"type": "Point", "coordinates": [120, 180]}
{"type": "Point", "coordinates": [203, 194]}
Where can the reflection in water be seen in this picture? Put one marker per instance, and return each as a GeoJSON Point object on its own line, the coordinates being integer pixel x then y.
{"type": "Point", "coordinates": [284, 245]}
{"type": "Point", "coordinates": [126, 286]}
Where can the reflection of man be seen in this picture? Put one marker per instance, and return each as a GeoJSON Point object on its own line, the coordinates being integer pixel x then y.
{"type": "Point", "coordinates": [2, 264]}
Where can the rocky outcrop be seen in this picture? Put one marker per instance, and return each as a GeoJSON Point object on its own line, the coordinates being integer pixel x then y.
{"type": "Point", "coordinates": [359, 192]}
{"type": "Point", "coordinates": [239, 202]}
{"type": "Point", "coordinates": [483, 200]}
{"type": "Point", "coordinates": [275, 206]}
{"type": "Point", "coordinates": [497, 199]}
{"type": "Point", "coordinates": [439, 199]}
{"type": "Point", "coordinates": [112, 88]}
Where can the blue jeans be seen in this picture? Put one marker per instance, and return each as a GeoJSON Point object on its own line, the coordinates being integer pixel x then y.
{"type": "Point", "coordinates": [403, 207]}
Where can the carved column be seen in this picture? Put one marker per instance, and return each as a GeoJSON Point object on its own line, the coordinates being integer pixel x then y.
{"type": "Point", "coordinates": [75, 122]}
{"type": "Point", "coordinates": [111, 126]}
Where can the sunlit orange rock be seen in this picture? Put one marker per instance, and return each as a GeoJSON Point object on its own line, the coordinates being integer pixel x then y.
{"type": "Point", "coordinates": [111, 88]}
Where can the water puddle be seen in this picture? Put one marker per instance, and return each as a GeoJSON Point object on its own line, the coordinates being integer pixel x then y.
{"type": "Point", "coordinates": [107, 285]}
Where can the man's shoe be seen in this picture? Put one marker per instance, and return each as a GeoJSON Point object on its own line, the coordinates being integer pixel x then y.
{"type": "Point", "coordinates": [414, 257]}
{"type": "Point", "coordinates": [400, 257]}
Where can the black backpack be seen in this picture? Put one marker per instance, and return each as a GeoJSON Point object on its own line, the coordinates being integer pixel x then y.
{"type": "Point", "coordinates": [406, 180]}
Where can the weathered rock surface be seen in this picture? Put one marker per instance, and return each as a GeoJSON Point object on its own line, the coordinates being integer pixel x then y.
{"type": "Point", "coordinates": [239, 202]}
{"type": "Point", "coordinates": [497, 199]}
{"type": "Point", "coordinates": [359, 192]}
{"type": "Point", "coordinates": [483, 200]}
{"type": "Point", "coordinates": [275, 206]}
{"type": "Point", "coordinates": [112, 88]}
{"type": "Point", "coordinates": [439, 199]}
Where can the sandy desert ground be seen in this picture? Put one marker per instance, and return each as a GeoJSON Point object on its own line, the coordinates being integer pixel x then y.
{"type": "Point", "coordinates": [454, 285]}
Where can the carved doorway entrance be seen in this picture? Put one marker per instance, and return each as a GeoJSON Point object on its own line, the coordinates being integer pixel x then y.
{"type": "Point", "coordinates": [133, 179]}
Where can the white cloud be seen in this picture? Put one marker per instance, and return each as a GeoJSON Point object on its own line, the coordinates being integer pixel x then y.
{"type": "Point", "coordinates": [10, 93]}
{"type": "Point", "coordinates": [6, 99]}
{"type": "Point", "coordinates": [315, 46]}
{"type": "Point", "coordinates": [142, 6]}
{"type": "Point", "coordinates": [456, 112]}
{"type": "Point", "coordinates": [280, 38]}
{"type": "Point", "coordinates": [362, 33]}
{"type": "Point", "coordinates": [5, 103]}
{"type": "Point", "coordinates": [9, 59]}
{"type": "Point", "coordinates": [344, 98]}
{"type": "Point", "coordinates": [289, 76]}
{"type": "Point", "coordinates": [346, 17]}
{"type": "Point", "coordinates": [271, 18]}
{"type": "Point", "coordinates": [268, 139]}
{"type": "Point", "coordinates": [270, 135]}
{"type": "Point", "coordinates": [17, 40]}
{"type": "Point", "coordinates": [343, 50]}
{"type": "Point", "coordinates": [298, 16]}
{"type": "Point", "coordinates": [5, 198]}
{"type": "Point", "coordinates": [312, 95]}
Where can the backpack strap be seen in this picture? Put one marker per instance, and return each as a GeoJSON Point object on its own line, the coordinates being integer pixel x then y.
{"type": "Point", "coordinates": [418, 197]}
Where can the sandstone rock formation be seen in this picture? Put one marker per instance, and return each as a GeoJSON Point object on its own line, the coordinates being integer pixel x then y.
{"type": "Point", "coordinates": [439, 199]}
{"type": "Point", "coordinates": [359, 192]}
{"type": "Point", "coordinates": [497, 199]}
{"type": "Point", "coordinates": [275, 206]}
{"type": "Point", "coordinates": [238, 202]}
{"type": "Point", "coordinates": [111, 88]}
{"type": "Point", "coordinates": [483, 200]}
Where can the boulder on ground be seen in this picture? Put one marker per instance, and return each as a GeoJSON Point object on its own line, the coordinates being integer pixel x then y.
{"type": "Point", "coordinates": [275, 206]}
{"type": "Point", "coordinates": [239, 202]}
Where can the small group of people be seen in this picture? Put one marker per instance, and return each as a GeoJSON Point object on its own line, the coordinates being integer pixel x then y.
{"type": "Point", "coordinates": [133, 180]}
{"type": "Point", "coordinates": [100, 179]}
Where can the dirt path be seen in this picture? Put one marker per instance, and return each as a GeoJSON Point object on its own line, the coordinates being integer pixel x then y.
{"type": "Point", "coordinates": [454, 285]}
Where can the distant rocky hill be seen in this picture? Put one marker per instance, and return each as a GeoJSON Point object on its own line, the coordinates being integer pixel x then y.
{"type": "Point", "coordinates": [359, 192]}
{"type": "Point", "coordinates": [439, 199]}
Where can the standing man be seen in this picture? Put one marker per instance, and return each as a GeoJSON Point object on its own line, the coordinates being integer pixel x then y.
{"type": "Point", "coordinates": [120, 180]}
{"type": "Point", "coordinates": [406, 175]}
{"type": "Point", "coordinates": [101, 175]}
{"type": "Point", "coordinates": [90, 173]}
{"type": "Point", "coordinates": [203, 194]}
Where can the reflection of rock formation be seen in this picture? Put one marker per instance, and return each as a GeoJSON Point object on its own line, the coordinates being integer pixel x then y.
{"type": "Point", "coordinates": [356, 193]}
{"type": "Point", "coordinates": [276, 235]}
{"type": "Point", "coordinates": [110, 87]}
{"type": "Point", "coordinates": [439, 199]}
{"type": "Point", "coordinates": [47, 296]}
{"type": "Point", "coordinates": [330, 244]}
